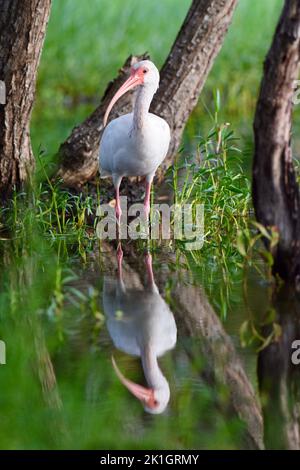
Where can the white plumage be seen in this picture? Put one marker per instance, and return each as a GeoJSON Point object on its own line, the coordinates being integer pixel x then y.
{"type": "Point", "coordinates": [135, 144]}
{"type": "Point", "coordinates": [141, 324]}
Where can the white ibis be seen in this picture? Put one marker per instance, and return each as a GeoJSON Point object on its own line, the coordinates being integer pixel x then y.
{"type": "Point", "coordinates": [135, 144]}
{"type": "Point", "coordinates": [144, 328]}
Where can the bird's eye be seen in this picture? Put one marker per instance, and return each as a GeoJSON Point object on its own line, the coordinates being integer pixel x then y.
{"type": "Point", "coordinates": [145, 70]}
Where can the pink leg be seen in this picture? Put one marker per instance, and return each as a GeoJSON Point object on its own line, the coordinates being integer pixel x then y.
{"type": "Point", "coordinates": [117, 182]}
{"type": "Point", "coordinates": [119, 259]}
{"type": "Point", "coordinates": [148, 261]}
{"type": "Point", "coordinates": [147, 198]}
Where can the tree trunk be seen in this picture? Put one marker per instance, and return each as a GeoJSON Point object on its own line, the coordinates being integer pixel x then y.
{"type": "Point", "coordinates": [279, 378]}
{"type": "Point", "coordinates": [275, 190]}
{"type": "Point", "coordinates": [22, 26]}
{"type": "Point", "coordinates": [182, 78]}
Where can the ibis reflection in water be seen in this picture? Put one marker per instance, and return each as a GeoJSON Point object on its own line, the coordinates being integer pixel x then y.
{"type": "Point", "coordinates": [141, 324]}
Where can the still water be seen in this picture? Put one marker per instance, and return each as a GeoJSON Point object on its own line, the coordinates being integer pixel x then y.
{"type": "Point", "coordinates": [132, 353]}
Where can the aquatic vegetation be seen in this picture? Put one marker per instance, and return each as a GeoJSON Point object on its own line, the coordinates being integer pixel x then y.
{"type": "Point", "coordinates": [60, 389]}
{"type": "Point", "coordinates": [212, 176]}
{"type": "Point", "coordinates": [52, 278]}
{"type": "Point", "coordinates": [215, 178]}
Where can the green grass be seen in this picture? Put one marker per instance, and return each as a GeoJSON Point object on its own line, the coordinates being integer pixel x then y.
{"type": "Point", "coordinates": [50, 304]}
{"type": "Point", "coordinates": [51, 310]}
{"type": "Point", "coordinates": [213, 176]}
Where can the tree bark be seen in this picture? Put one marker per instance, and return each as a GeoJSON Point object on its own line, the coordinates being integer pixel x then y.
{"type": "Point", "coordinates": [279, 378]}
{"type": "Point", "coordinates": [22, 28]}
{"type": "Point", "coordinates": [275, 190]}
{"type": "Point", "coordinates": [182, 78]}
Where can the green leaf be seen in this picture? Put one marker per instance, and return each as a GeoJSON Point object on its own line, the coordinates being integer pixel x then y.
{"type": "Point", "coordinates": [244, 333]}
{"type": "Point", "coordinates": [277, 331]}
{"type": "Point", "coordinates": [262, 229]}
{"type": "Point", "coordinates": [270, 316]}
{"type": "Point", "coordinates": [266, 342]}
{"type": "Point", "coordinates": [268, 257]}
{"type": "Point", "coordinates": [217, 100]}
{"type": "Point", "coordinates": [240, 243]}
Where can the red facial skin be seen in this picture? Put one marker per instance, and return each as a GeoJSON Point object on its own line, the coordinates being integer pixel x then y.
{"type": "Point", "coordinates": [136, 78]}
{"type": "Point", "coordinates": [144, 394]}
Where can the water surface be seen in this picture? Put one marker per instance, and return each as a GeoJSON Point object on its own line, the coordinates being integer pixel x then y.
{"type": "Point", "coordinates": [156, 321]}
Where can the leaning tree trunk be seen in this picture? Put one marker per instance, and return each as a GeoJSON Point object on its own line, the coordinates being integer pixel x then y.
{"type": "Point", "coordinates": [182, 78]}
{"type": "Point", "coordinates": [275, 190]}
{"type": "Point", "coordinates": [22, 29]}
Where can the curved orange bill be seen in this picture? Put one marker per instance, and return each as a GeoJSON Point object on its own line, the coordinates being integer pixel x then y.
{"type": "Point", "coordinates": [145, 395]}
{"type": "Point", "coordinates": [135, 79]}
